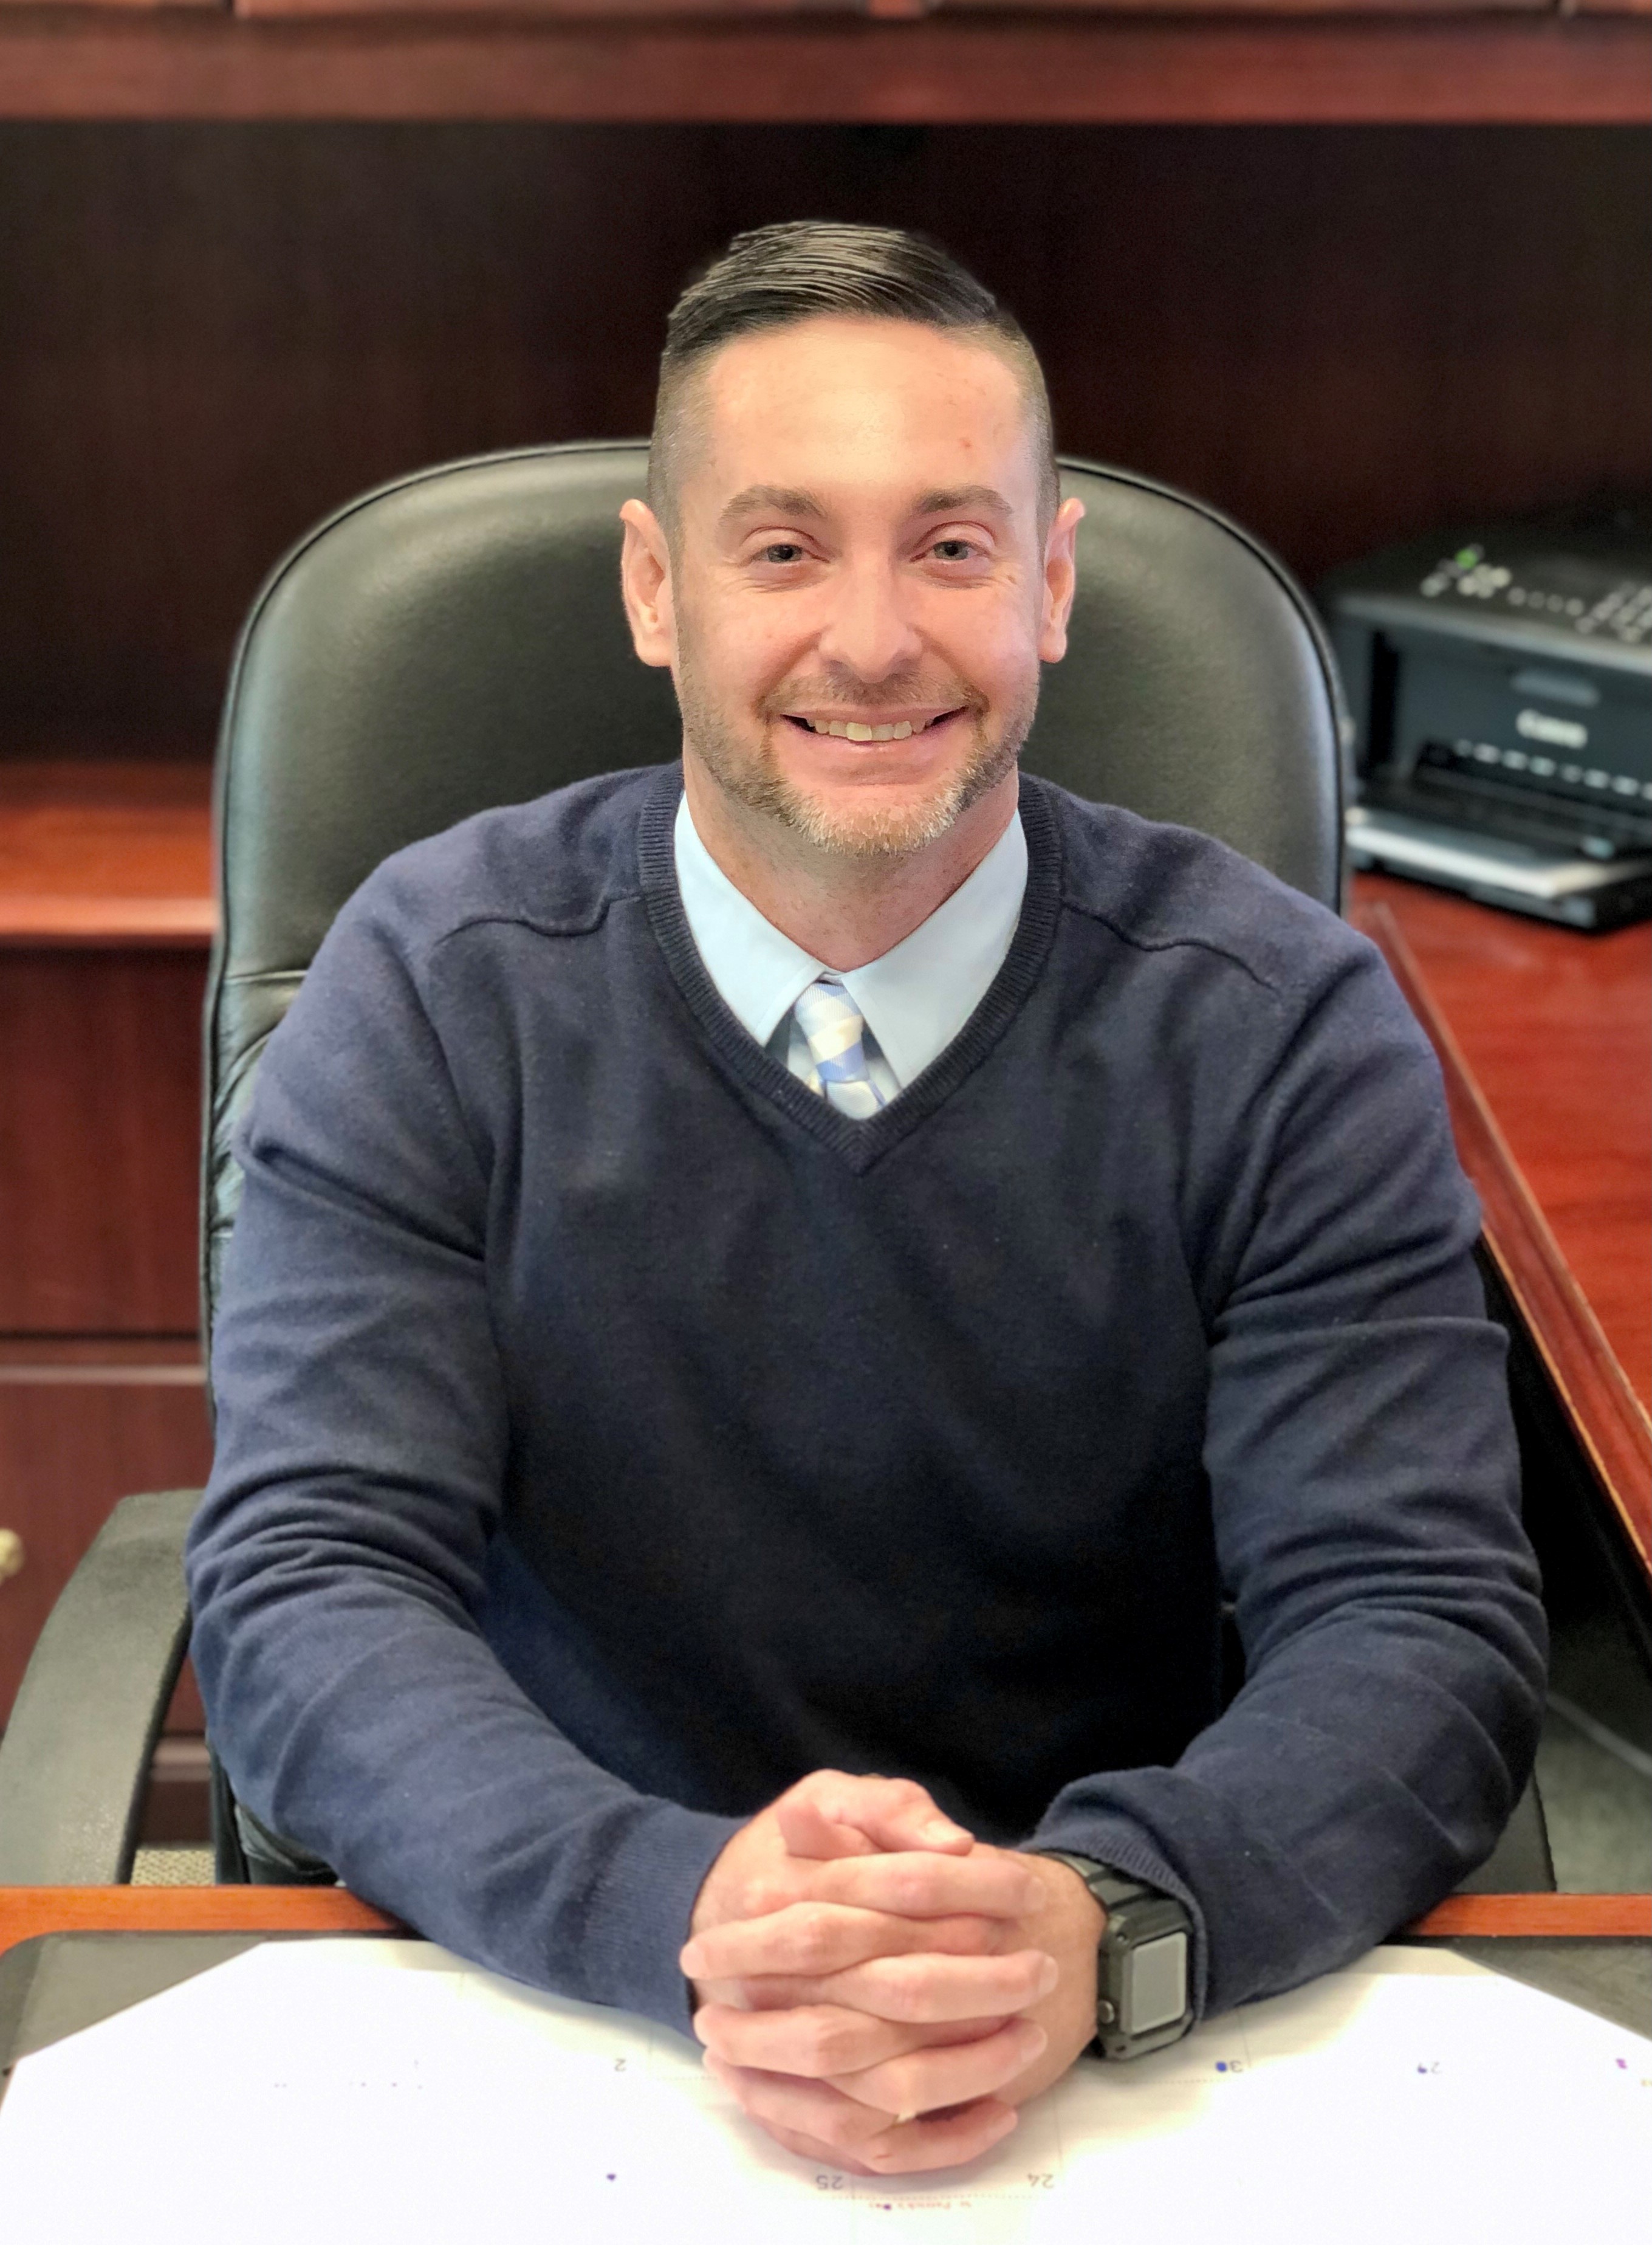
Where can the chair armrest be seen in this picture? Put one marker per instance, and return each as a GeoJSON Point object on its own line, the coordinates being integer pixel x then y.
{"type": "Point", "coordinates": [74, 1763]}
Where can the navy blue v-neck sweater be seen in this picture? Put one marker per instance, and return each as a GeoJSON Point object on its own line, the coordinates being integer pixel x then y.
{"type": "Point", "coordinates": [610, 1433]}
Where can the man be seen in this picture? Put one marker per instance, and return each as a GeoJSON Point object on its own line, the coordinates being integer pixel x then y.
{"type": "Point", "coordinates": [805, 1282]}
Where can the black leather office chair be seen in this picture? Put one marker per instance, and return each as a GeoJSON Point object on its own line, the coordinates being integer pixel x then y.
{"type": "Point", "coordinates": [454, 642]}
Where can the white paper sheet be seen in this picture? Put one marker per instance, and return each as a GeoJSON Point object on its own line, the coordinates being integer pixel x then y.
{"type": "Point", "coordinates": [377, 2092]}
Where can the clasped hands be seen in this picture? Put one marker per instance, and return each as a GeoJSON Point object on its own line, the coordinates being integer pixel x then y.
{"type": "Point", "coordinates": [878, 1991]}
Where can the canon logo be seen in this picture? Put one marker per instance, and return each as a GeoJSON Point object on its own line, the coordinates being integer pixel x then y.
{"type": "Point", "coordinates": [1559, 732]}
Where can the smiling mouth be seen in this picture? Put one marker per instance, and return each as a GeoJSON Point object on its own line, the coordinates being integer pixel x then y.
{"type": "Point", "coordinates": [850, 729]}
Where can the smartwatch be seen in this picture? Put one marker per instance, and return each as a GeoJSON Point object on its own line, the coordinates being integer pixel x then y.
{"type": "Point", "coordinates": [1143, 1981]}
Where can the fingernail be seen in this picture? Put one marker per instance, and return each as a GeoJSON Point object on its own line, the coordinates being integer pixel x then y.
{"type": "Point", "coordinates": [1034, 1895]}
{"type": "Point", "coordinates": [692, 1961]}
{"type": "Point", "coordinates": [938, 1831]}
{"type": "Point", "coordinates": [1049, 1973]}
{"type": "Point", "coordinates": [1032, 2036]}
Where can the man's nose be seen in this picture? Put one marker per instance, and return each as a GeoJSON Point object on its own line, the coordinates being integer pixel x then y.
{"type": "Point", "coordinates": [867, 630]}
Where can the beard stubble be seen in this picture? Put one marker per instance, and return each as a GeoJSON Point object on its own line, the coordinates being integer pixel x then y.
{"type": "Point", "coordinates": [755, 779]}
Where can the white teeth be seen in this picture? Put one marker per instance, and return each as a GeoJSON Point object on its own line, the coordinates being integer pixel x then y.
{"type": "Point", "coordinates": [843, 729]}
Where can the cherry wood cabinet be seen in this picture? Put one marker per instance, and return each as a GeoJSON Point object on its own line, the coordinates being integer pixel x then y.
{"type": "Point", "coordinates": [104, 910]}
{"type": "Point", "coordinates": [888, 61]}
{"type": "Point", "coordinates": [78, 1431]}
{"type": "Point", "coordinates": [100, 1101]}
{"type": "Point", "coordinates": [885, 9]}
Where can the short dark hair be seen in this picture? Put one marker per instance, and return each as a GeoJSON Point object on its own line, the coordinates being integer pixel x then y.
{"type": "Point", "coordinates": [775, 276]}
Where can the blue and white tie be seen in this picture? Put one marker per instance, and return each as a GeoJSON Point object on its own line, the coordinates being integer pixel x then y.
{"type": "Point", "coordinates": [833, 1027]}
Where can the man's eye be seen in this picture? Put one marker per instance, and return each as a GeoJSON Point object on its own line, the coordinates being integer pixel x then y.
{"type": "Point", "coordinates": [782, 553]}
{"type": "Point", "coordinates": [952, 549]}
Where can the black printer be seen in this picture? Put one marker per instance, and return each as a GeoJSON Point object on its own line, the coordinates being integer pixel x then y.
{"type": "Point", "coordinates": [1500, 685]}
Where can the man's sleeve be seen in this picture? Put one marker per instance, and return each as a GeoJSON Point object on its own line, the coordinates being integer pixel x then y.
{"type": "Point", "coordinates": [336, 1567]}
{"type": "Point", "coordinates": [1364, 1485]}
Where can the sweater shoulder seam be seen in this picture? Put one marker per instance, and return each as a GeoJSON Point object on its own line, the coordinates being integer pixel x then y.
{"type": "Point", "coordinates": [586, 923]}
{"type": "Point", "coordinates": [1188, 942]}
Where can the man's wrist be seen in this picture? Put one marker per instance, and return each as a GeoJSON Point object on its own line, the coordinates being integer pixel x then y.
{"type": "Point", "coordinates": [1144, 1959]}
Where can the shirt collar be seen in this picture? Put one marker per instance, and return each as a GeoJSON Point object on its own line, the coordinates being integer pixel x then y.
{"type": "Point", "coordinates": [760, 974]}
{"type": "Point", "coordinates": [915, 999]}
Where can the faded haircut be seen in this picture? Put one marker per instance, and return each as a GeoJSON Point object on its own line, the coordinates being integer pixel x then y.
{"type": "Point", "coordinates": [777, 276]}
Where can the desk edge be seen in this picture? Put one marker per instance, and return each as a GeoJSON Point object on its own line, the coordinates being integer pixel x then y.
{"type": "Point", "coordinates": [26, 1912]}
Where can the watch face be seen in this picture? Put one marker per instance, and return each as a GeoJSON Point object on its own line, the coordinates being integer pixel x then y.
{"type": "Point", "coordinates": [1157, 1983]}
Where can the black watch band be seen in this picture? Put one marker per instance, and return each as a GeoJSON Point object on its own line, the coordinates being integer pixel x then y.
{"type": "Point", "coordinates": [1144, 1967]}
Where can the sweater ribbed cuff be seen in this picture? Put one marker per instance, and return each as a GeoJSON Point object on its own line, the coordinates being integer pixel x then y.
{"type": "Point", "coordinates": [637, 1919]}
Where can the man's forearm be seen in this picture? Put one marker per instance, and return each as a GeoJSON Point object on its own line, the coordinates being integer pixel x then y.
{"type": "Point", "coordinates": [367, 1725]}
{"type": "Point", "coordinates": [1353, 1782]}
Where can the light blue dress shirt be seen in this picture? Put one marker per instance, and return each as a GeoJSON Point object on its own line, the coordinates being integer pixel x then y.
{"type": "Point", "coordinates": [914, 999]}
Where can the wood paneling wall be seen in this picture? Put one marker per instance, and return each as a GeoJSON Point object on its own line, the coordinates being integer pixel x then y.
{"type": "Point", "coordinates": [210, 335]}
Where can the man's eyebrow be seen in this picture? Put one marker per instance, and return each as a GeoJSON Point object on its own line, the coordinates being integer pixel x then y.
{"type": "Point", "coordinates": [965, 498]}
{"type": "Point", "coordinates": [772, 499]}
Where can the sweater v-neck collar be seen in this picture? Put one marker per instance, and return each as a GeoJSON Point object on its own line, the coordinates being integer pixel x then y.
{"type": "Point", "coordinates": [859, 1144]}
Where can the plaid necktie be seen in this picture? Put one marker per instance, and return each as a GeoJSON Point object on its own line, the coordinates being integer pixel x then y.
{"type": "Point", "coordinates": [833, 1027]}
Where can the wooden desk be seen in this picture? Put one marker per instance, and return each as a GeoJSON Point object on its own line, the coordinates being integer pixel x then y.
{"type": "Point", "coordinates": [28, 1911]}
{"type": "Point", "coordinates": [75, 1972]}
{"type": "Point", "coordinates": [1545, 1037]}
{"type": "Point", "coordinates": [1556, 1030]}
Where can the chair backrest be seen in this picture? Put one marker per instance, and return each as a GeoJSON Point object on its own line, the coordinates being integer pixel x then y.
{"type": "Point", "coordinates": [455, 640]}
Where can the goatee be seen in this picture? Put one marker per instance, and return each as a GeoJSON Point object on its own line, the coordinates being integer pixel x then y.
{"type": "Point", "coordinates": [838, 827]}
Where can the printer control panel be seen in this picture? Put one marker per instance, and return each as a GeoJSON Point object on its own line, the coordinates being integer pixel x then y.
{"type": "Point", "coordinates": [1593, 601]}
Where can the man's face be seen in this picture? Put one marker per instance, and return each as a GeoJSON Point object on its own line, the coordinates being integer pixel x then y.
{"type": "Point", "coordinates": [859, 593]}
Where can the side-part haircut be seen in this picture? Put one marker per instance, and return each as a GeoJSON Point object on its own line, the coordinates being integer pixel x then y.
{"type": "Point", "coordinates": [776, 277]}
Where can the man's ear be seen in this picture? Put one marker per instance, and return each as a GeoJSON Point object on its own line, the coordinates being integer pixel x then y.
{"type": "Point", "coordinates": [645, 581]}
{"type": "Point", "coordinates": [1060, 580]}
